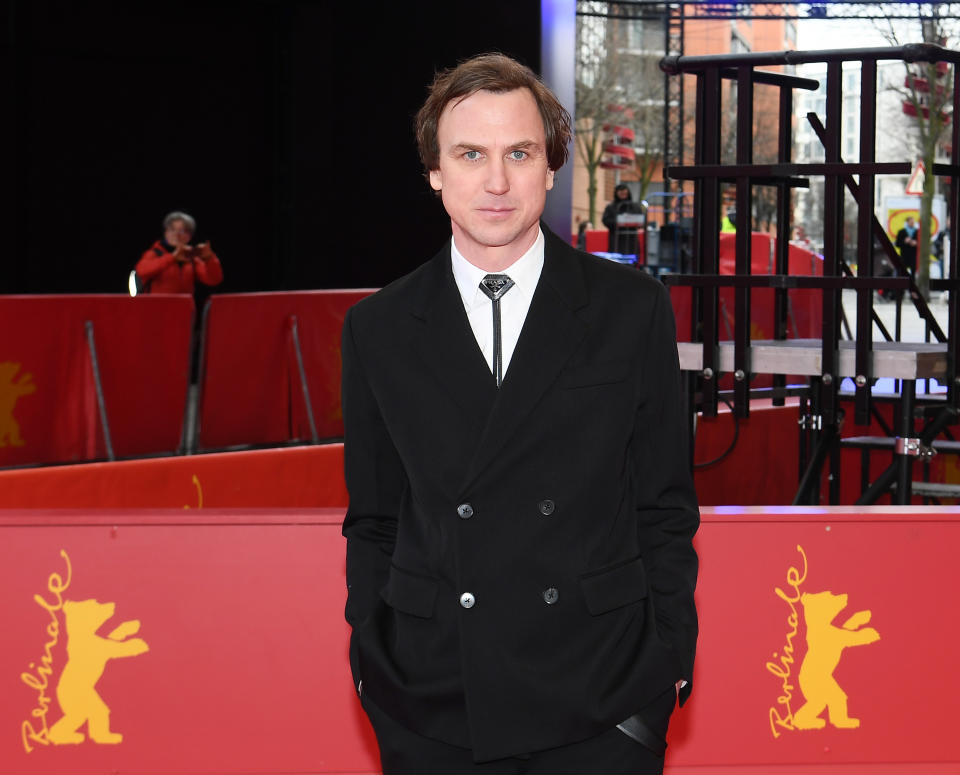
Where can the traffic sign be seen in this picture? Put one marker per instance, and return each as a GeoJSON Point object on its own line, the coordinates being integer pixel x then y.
{"type": "Point", "coordinates": [915, 184]}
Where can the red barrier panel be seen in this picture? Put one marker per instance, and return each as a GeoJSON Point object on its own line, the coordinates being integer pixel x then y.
{"type": "Point", "coordinates": [48, 402]}
{"type": "Point", "coordinates": [824, 642]}
{"type": "Point", "coordinates": [226, 650]}
{"type": "Point", "coordinates": [250, 385]}
{"type": "Point", "coordinates": [760, 468]}
{"type": "Point", "coordinates": [597, 240]}
{"type": "Point", "coordinates": [757, 457]}
{"type": "Point", "coordinates": [804, 320]}
{"type": "Point", "coordinates": [290, 477]}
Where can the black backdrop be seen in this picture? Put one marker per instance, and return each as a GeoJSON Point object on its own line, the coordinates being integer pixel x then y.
{"type": "Point", "coordinates": [283, 127]}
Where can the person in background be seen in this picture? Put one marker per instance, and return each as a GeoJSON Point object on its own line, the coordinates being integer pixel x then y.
{"type": "Point", "coordinates": [907, 245]}
{"type": "Point", "coordinates": [729, 223]}
{"type": "Point", "coordinates": [172, 264]}
{"type": "Point", "coordinates": [940, 243]}
{"type": "Point", "coordinates": [582, 235]}
{"type": "Point", "coordinates": [620, 240]}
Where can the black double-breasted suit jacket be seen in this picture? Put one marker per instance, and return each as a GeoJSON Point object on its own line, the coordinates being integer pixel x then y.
{"type": "Point", "coordinates": [519, 560]}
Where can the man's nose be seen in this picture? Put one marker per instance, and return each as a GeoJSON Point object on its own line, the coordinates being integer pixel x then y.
{"type": "Point", "coordinates": [497, 181]}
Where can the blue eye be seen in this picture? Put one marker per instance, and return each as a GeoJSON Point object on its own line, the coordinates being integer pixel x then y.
{"type": "Point", "coordinates": [471, 155]}
{"type": "Point", "coordinates": [518, 155]}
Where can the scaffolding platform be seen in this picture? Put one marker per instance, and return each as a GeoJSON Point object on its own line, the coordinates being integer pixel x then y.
{"type": "Point", "coordinates": [897, 360]}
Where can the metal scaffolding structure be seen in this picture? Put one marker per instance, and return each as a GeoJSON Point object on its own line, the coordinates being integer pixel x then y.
{"type": "Point", "coordinates": [827, 361]}
{"type": "Point", "coordinates": [849, 9]}
{"type": "Point", "coordinates": [675, 15]}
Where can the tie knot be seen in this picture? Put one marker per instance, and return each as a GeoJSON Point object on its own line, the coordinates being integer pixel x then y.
{"type": "Point", "coordinates": [495, 285]}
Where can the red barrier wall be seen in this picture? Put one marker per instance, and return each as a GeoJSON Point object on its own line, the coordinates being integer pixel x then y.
{"type": "Point", "coordinates": [301, 477]}
{"type": "Point", "coordinates": [787, 598]}
{"type": "Point", "coordinates": [598, 240]}
{"type": "Point", "coordinates": [246, 668]}
{"type": "Point", "coordinates": [761, 468]}
{"type": "Point", "coordinates": [805, 318]}
{"type": "Point", "coordinates": [242, 614]}
{"type": "Point", "coordinates": [250, 385]}
{"type": "Point", "coordinates": [48, 405]}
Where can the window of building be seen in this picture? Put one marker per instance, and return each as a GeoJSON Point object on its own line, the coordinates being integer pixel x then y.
{"type": "Point", "coordinates": [790, 32]}
{"type": "Point", "coordinates": [645, 34]}
{"type": "Point", "coordinates": [737, 44]}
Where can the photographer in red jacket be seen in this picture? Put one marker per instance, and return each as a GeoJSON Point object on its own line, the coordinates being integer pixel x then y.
{"type": "Point", "coordinates": [173, 265]}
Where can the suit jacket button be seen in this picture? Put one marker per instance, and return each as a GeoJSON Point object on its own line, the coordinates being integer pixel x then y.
{"type": "Point", "coordinates": [465, 510]}
{"type": "Point", "coordinates": [546, 507]}
{"type": "Point", "coordinates": [467, 600]}
{"type": "Point", "coordinates": [551, 595]}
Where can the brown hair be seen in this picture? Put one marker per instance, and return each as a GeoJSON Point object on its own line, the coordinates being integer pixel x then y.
{"type": "Point", "coordinates": [495, 73]}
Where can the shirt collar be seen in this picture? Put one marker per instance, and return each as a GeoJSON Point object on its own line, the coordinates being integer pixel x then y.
{"type": "Point", "coordinates": [525, 273]}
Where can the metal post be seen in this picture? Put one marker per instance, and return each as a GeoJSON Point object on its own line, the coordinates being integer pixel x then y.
{"type": "Point", "coordinates": [834, 485]}
{"type": "Point", "coordinates": [741, 322]}
{"type": "Point", "coordinates": [816, 442]}
{"type": "Point", "coordinates": [905, 461]}
{"type": "Point", "coordinates": [832, 241]}
{"type": "Point", "coordinates": [689, 382]}
{"type": "Point", "coordinates": [864, 469]}
{"type": "Point", "coordinates": [865, 216]}
{"type": "Point", "coordinates": [98, 386]}
{"type": "Point", "coordinates": [953, 312]}
{"type": "Point", "coordinates": [879, 487]}
{"type": "Point", "coordinates": [804, 407]}
{"type": "Point", "coordinates": [303, 379]}
{"type": "Point", "coordinates": [708, 202]}
{"type": "Point", "coordinates": [781, 299]}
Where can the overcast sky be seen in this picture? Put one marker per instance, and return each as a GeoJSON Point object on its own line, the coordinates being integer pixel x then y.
{"type": "Point", "coordinates": [813, 34]}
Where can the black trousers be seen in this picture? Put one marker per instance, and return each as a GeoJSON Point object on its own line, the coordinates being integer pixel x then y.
{"type": "Point", "coordinates": [403, 752]}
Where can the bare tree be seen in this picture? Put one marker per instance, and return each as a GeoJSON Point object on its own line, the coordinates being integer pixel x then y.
{"type": "Point", "coordinates": [764, 145]}
{"type": "Point", "coordinates": [619, 84]}
{"type": "Point", "coordinates": [926, 95]}
{"type": "Point", "coordinates": [645, 98]}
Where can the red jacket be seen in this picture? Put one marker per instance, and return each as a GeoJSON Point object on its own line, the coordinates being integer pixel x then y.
{"type": "Point", "coordinates": [159, 272]}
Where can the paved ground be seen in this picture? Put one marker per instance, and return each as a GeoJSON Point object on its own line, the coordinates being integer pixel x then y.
{"type": "Point", "coordinates": [911, 327]}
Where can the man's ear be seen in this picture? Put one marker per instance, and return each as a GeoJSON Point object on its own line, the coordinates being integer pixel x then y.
{"type": "Point", "coordinates": [436, 181]}
{"type": "Point", "coordinates": [549, 179]}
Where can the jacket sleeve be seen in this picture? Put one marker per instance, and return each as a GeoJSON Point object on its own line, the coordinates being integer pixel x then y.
{"type": "Point", "coordinates": [667, 510]}
{"type": "Point", "coordinates": [376, 483]}
{"type": "Point", "coordinates": [609, 217]}
{"type": "Point", "coordinates": [151, 264]}
{"type": "Point", "coordinates": [209, 271]}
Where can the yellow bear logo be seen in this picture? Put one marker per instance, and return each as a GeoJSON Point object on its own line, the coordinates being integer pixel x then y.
{"type": "Point", "coordinates": [87, 656]}
{"type": "Point", "coordinates": [825, 645]}
{"type": "Point", "coordinates": [10, 392]}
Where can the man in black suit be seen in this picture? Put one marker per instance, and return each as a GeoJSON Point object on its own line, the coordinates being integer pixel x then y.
{"type": "Point", "coordinates": [906, 243]}
{"type": "Point", "coordinates": [519, 538]}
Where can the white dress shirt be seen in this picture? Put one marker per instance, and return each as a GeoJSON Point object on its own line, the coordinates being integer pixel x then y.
{"type": "Point", "coordinates": [514, 304]}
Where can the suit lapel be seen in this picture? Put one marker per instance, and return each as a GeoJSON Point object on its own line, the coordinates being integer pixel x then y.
{"type": "Point", "coordinates": [551, 334]}
{"type": "Point", "coordinates": [448, 349]}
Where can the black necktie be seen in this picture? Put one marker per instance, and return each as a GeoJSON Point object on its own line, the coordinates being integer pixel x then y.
{"type": "Point", "coordinates": [495, 285]}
